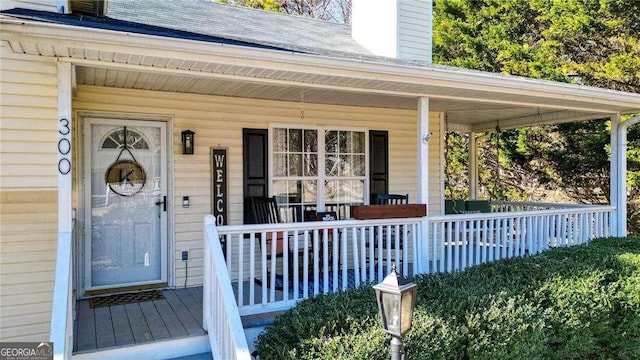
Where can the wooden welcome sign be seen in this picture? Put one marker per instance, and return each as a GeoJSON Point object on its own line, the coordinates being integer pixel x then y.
{"type": "Point", "coordinates": [219, 185]}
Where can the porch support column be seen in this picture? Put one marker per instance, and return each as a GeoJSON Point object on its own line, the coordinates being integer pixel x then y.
{"type": "Point", "coordinates": [423, 150]}
{"type": "Point", "coordinates": [473, 166]}
{"type": "Point", "coordinates": [423, 181]}
{"type": "Point", "coordinates": [65, 211]}
{"type": "Point", "coordinates": [620, 171]}
{"type": "Point", "coordinates": [613, 173]}
{"type": "Point", "coordinates": [61, 313]}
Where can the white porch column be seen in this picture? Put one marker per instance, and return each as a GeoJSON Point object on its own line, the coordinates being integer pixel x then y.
{"type": "Point", "coordinates": [620, 171]}
{"type": "Point", "coordinates": [613, 173]}
{"type": "Point", "coordinates": [473, 166]}
{"type": "Point", "coordinates": [423, 150]}
{"type": "Point", "coordinates": [65, 211]}
{"type": "Point", "coordinates": [423, 180]}
{"type": "Point", "coordinates": [61, 327]}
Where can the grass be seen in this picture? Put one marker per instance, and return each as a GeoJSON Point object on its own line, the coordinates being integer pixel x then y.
{"type": "Point", "coordinates": [569, 303]}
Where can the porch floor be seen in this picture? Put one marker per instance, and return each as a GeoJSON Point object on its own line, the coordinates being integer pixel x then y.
{"type": "Point", "coordinates": [179, 315]}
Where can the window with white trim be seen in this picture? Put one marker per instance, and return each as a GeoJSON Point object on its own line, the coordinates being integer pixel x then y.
{"type": "Point", "coordinates": [305, 159]}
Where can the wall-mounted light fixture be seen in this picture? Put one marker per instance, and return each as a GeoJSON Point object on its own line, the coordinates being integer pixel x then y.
{"type": "Point", "coordinates": [426, 137]}
{"type": "Point", "coordinates": [188, 142]}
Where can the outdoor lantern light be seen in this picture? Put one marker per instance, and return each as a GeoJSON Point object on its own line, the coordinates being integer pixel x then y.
{"type": "Point", "coordinates": [396, 300]}
{"type": "Point", "coordinates": [188, 142]}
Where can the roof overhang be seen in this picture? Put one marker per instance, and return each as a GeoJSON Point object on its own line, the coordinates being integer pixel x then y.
{"type": "Point", "coordinates": [472, 100]}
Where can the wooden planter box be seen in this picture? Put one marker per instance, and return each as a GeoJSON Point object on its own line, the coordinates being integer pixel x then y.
{"type": "Point", "coordinates": [363, 212]}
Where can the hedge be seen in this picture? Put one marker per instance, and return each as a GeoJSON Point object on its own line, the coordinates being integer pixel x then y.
{"type": "Point", "coordinates": [567, 303]}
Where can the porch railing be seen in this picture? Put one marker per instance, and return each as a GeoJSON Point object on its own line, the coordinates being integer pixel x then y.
{"type": "Point", "coordinates": [61, 334]}
{"type": "Point", "coordinates": [320, 257]}
{"type": "Point", "coordinates": [323, 257]}
{"type": "Point", "coordinates": [456, 242]}
{"type": "Point", "coordinates": [513, 206]}
{"type": "Point", "coordinates": [221, 317]}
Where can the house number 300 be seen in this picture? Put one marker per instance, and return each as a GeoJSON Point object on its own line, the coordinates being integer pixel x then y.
{"type": "Point", "coordinates": [64, 147]}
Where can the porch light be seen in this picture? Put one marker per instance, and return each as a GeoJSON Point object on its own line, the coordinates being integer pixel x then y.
{"type": "Point", "coordinates": [396, 301]}
{"type": "Point", "coordinates": [188, 142]}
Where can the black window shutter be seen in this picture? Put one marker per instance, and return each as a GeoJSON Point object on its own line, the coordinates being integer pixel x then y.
{"type": "Point", "coordinates": [379, 162]}
{"type": "Point", "coordinates": [255, 167]}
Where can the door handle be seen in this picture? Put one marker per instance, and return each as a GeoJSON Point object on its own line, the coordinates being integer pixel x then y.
{"type": "Point", "coordinates": [163, 203]}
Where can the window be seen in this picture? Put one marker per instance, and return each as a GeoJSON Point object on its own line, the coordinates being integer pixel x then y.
{"type": "Point", "coordinates": [115, 140]}
{"type": "Point", "coordinates": [304, 159]}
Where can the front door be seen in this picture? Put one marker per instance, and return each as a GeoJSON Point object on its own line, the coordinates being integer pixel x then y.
{"type": "Point", "coordinates": [125, 187]}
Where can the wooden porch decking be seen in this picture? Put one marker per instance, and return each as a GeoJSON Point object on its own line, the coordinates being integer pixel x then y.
{"type": "Point", "coordinates": [179, 315]}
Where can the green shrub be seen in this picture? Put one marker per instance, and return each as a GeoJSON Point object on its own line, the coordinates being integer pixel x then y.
{"type": "Point", "coordinates": [570, 303]}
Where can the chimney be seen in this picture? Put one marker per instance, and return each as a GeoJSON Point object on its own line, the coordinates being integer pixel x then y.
{"type": "Point", "coordinates": [393, 28]}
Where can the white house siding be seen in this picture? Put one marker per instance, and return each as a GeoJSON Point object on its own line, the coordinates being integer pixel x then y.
{"type": "Point", "coordinates": [414, 30]}
{"type": "Point", "coordinates": [28, 196]}
{"type": "Point", "coordinates": [42, 5]}
{"type": "Point", "coordinates": [218, 122]}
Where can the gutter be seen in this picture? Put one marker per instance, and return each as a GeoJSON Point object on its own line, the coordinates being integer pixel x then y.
{"type": "Point", "coordinates": [108, 40]}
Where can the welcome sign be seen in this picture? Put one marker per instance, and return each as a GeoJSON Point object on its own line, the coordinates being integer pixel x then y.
{"type": "Point", "coordinates": [219, 185]}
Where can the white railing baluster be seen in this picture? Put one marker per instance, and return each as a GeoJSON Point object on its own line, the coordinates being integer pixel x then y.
{"type": "Point", "coordinates": [263, 276]}
{"type": "Point", "coordinates": [491, 249]}
{"type": "Point", "coordinates": [363, 253]}
{"type": "Point", "coordinates": [343, 246]}
{"type": "Point", "coordinates": [379, 247]}
{"type": "Point", "coordinates": [229, 256]}
{"type": "Point", "coordinates": [530, 232]}
{"type": "Point", "coordinates": [305, 267]}
{"type": "Point", "coordinates": [296, 266]}
{"type": "Point", "coordinates": [240, 267]}
{"type": "Point", "coordinates": [456, 249]}
{"type": "Point", "coordinates": [449, 249]}
{"type": "Point", "coordinates": [372, 249]}
{"type": "Point", "coordinates": [504, 239]}
{"type": "Point", "coordinates": [356, 259]}
{"type": "Point", "coordinates": [316, 265]}
{"type": "Point", "coordinates": [252, 268]}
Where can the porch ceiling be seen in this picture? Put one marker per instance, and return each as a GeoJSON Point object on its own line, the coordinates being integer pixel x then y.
{"type": "Point", "coordinates": [471, 100]}
{"type": "Point", "coordinates": [465, 110]}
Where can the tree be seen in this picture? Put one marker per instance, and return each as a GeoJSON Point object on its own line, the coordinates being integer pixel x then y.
{"type": "Point", "coordinates": [328, 10]}
{"type": "Point", "coordinates": [270, 5]}
{"type": "Point", "coordinates": [593, 42]}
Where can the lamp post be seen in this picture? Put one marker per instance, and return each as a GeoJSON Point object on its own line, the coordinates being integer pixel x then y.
{"type": "Point", "coordinates": [396, 300]}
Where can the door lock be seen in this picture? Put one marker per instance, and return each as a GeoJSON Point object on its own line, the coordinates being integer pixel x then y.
{"type": "Point", "coordinates": [163, 203]}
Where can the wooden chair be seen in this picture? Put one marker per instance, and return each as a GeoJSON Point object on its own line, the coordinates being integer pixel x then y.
{"type": "Point", "coordinates": [266, 211]}
{"type": "Point", "coordinates": [390, 199]}
{"type": "Point", "coordinates": [454, 207]}
{"type": "Point", "coordinates": [482, 206]}
{"type": "Point", "coordinates": [312, 215]}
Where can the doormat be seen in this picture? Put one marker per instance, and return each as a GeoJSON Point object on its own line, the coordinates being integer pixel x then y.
{"type": "Point", "coordinates": [122, 299]}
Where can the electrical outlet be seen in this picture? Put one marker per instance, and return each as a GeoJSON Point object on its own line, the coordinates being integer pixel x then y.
{"type": "Point", "coordinates": [185, 255]}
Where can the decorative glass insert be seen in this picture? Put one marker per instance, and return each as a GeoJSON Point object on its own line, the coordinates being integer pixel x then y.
{"type": "Point", "coordinates": [115, 140]}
